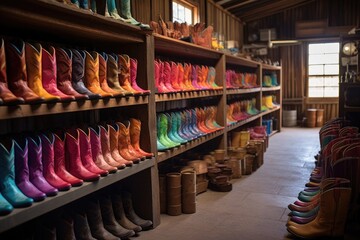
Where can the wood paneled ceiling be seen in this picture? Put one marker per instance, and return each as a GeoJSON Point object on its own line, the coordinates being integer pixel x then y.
{"type": "Point", "coordinates": [251, 10]}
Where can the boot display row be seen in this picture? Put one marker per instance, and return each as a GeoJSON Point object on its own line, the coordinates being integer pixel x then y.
{"type": "Point", "coordinates": [270, 80]}
{"type": "Point", "coordinates": [31, 73]}
{"type": "Point", "coordinates": [241, 110]}
{"type": "Point", "coordinates": [171, 77]}
{"type": "Point", "coordinates": [106, 217]}
{"type": "Point", "coordinates": [331, 197]}
{"type": "Point", "coordinates": [235, 80]}
{"type": "Point", "coordinates": [179, 127]}
{"type": "Point", "coordinates": [39, 165]}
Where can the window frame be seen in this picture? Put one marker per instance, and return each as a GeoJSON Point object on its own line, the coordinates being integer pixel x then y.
{"type": "Point", "coordinates": [189, 4]}
{"type": "Point", "coordinates": [317, 41]}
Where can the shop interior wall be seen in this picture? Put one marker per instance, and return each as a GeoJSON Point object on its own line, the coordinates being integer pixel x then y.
{"type": "Point", "coordinates": [209, 13]}
{"type": "Point", "coordinates": [339, 16]}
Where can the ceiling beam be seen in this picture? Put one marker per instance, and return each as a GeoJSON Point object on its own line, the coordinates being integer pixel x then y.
{"type": "Point", "coordinates": [221, 2]}
{"type": "Point", "coordinates": [240, 4]}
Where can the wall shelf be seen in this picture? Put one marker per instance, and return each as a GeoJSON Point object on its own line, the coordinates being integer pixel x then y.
{"type": "Point", "coordinates": [268, 89]}
{"type": "Point", "coordinates": [165, 97]}
{"type": "Point", "coordinates": [242, 91]}
{"type": "Point", "coordinates": [243, 122]}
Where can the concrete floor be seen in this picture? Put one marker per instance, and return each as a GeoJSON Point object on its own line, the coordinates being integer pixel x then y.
{"type": "Point", "coordinates": [256, 208]}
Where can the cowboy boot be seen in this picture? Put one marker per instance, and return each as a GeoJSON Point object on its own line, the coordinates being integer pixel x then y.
{"type": "Point", "coordinates": [159, 84]}
{"type": "Point", "coordinates": [187, 77]}
{"type": "Point", "coordinates": [33, 57]}
{"type": "Point", "coordinates": [97, 152]}
{"type": "Point", "coordinates": [124, 145]}
{"type": "Point", "coordinates": [179, 127]}
{"type": "Point", "coordinates": [163, 132]}
{"type": "Point", "coordinates": [22, 172]}
{"type": "Point", "coordinates": [110, 223]}
{"type": "Point", "coordinates": [49, 72]}
{"type": "Point", "coordinates": [175, 125]}
{"type": "Point", "coordinates": [171, 129]}
{"type": "Point", "coordinates": [81, 227]}
{"type": "Point", "coordinates": [65, 228]}
{"type": "Point", "coordinates": [103, 58]}
{"type": "Point", "coordinates": [92, 81]}
{"type": "Point", "coordinates": [125, 12]}
{"type": "Point", "coordinates": [5, 206]}
{"type": "Point", "coordinates": [112, 157]}
{"type": "Point", "coordinates": [59, 163]}
{"type": "Point", "coordinates": [48, 163]}
{"type": "Point", "coordinates": [8, 188]}
{"type": "Point", "coordinates": [181, 81]}
{"type": "Point", "coordinates": [120, 216]}
{"type": "Point", "coordinates": [86, 153]}
{"type": "Point", "coordinates": [135, 132]}
{"type": "Point", "coordinates": [36, 170]}
{"type": "Point", "coordinates": [131, 214]}
{"type": "Point", "coordinates": [73, 158]}
{"type": "Point", "coordinates": [64, 69]}
{"type": "Point", "coordinates": [95, 220]}
{"type": "Point", "coordinates": [331, 218]}
{"type": "Point", "coordinates": [133, 75]}
{"type": "Point", "coordinates": [211, 79]}
{"type": "Point", "coordinates": [5, 94]}
{"type": "Point", "coordinates": [167, 77]}
{"type": "Point", "coordinates": [112, 70]}
{"type": "Point", "coordinates": [114, 146]}
{"type": "Point", "coordinates": [194, 77]}
{"type": "Point", "coordinates": [124, 74]}
{"type": "Point", "coordinates": [113, 12]}
{"type": "Point", "coordinates": [16, 73]}
{"type": "Point", "coordinates": [78, 74]}
{"type": "Point", "coordinates": [174, 76]}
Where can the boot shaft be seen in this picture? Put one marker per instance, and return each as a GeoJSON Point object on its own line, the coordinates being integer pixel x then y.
{"type": "Point", "coordinates": [3, 77]}
{"type": "Point", "coordinates": [16, 66]}
{"type": "Point", "coordinates": [21, 160]}
{"type": "Point", "coordinates": [103, 58]}
{"type": "Point", "coordinates": [49, 68]}
{"type": "Point", "coordinates": [112, 70]}
{"type": "Point", "coordinates": [63, 64]}
{"type": "Point", "coordinates": [78, 66]}
{"type": "Point", "coordinates": [33, 57]}
{"type": "Point", "coordinates": [133, 70]}
{"type": "Point", "coordinates": [124, 69]}
{"type": "Point", "coordinates": [7, 164]}
{"type": "Point", "coordinates": [92, 69]}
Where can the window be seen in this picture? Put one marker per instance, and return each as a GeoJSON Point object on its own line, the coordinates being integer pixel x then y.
{"type": "Point", "coordinates": [184, 12]}
{"type": "Point", "coordinates": [323, 70]}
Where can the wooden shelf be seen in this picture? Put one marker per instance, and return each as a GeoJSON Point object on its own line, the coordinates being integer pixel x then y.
{"type": "Point", "coordinates": [351, 109]}
{"type": "Point", "coordinates": [270, 67]}
{"type": "Point", "coordinates": [68, 20]}
{"type": "Point", "coordinates": [166, 45]}
{"type": "Point", "coordinates": [162, 156]}
{"type": "Point", "coordinates": [26, 110]}
{"type": "Point", "coordinates": [273, 133]}
{"type": "Point", "coordinates": [242, 91]}
{"type": "Point", "coordinates": [19, 216]}
{"type": "Point", "coordinates": [267, 89]}
{"type": "Point", "coordinates": [230, 59]}
{"type": "Point", "coordinates": [243, 122]}
{"type": "Point", "coordinates": [164, 97]}
{"type": "Point", "coordinates": [270, 111]}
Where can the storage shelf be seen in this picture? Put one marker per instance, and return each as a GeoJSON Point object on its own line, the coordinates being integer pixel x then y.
{"type": "Point", "coordinates": [164, 97]}
{"type": "Point", "coordinates": [27, 110]}
{"type": "Point", "coordinates": [166, 45]}
{"type": "Point", "coordinates": [162, 156]}
{"type": "Point", "coordinates": [267, 89]}
{"type": "Point", "coordinates": [243, 122]}
{"type": "Point", "coordinates": [270, 111]}
{"type": "Point", "coordinates": [242, 91]}
{"type": "Point", "coordinates": [270, 67]}
{"type": "Point", "coordinates": [230, 59]}
{"type": "Point", "coordinates": [351, 109]}
{"type": "Point", "coordinates": [65, 19]}
{"type": "Point", "coordinates": [19, 216]}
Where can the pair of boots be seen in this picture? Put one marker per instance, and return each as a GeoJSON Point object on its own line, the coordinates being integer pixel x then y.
{"type": "Point", "coordinates": [106, 217]}
{"type": "Point", "coordinates": [125, 13]}
{"type": "Point", "coordinates": [176, 77]}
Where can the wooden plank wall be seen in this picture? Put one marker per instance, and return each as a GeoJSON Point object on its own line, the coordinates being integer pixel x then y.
{"type": "Point", "coordinates": [293, 58]}
{"type": "Point", "coordinates": [209, 12]}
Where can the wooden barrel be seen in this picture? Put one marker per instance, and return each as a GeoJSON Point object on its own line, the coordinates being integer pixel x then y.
{"type": "Point", "coordinates": [319, 117]}
{"type": "Point", "coordinates": [311, 118]}
{"type": "Point", "coordinates": [289, 118]}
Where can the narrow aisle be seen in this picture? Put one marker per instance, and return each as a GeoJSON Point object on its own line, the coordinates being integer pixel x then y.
{"type": "Point", "coordinates": [256, 208]}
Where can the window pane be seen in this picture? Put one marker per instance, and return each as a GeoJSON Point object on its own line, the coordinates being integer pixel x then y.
{"type": "Point", "coordinates": [316, 92]}
{"type": "Point", "coordinates": [331, 92]}
{"type": "Point", "coordinates": [188, 15]}
{"type": "Point", "coordinates": [316, 81]}
{"type": "Point", "coordinates": [331, 69]}
{"type": "Point", "coordinates": [175, 12]}
{"type": "Point", "coordinates": [315, 48]}
{"type": "Point", "coordinates": [332, 81]}
{"type": "Point", "coordinates": [316, 59]}
{"type": "Point", "coordinates": [331, 47]}
{"type": "Point", "coordinates": [316, 70]}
